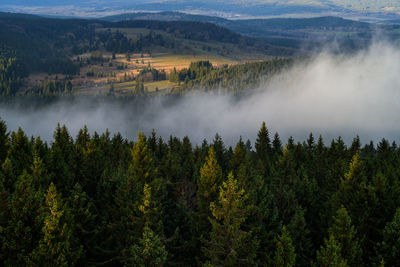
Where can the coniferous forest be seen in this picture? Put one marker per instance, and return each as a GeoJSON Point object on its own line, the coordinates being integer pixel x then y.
{"type": "Point", "coordinates": [101, 200]}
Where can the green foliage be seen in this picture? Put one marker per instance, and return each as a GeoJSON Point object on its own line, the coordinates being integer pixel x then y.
{"type": "Point", "coordinates": [237, 79]}
{"type": "Point", "coordinates": [11, 75]}
{"type": "Point", "coordinates": [4, 141]}
{"type": "Point", "coordinates": [390, 246]}
{"type": "Point", "coordinates": [229, 244]}
{"type": "Point", "coordinates": [345, 234]}
{"type": "Point", "coordinates": [22, 231]}
{"type": "Point", "coordinates": [330, 254]}
{"type": "Point", "coordinates": [285, 255]}
{"type": "Point", "coordinates": [148, 250]}
{"type": "Point", "coordinates": [208, 184]}
{"type": "Point", "coordinates": [55, 246]}
{"type": "Point", "coordinates": [263, 150]}
{"type": "Point", "coordinates": [157, 203]}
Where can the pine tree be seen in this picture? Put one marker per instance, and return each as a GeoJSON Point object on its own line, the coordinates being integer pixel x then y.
{"type": "Point", "coordinates": [20, 153]}
{"type": "Point", "coordinates": [389, 248]}
{"type": "Point", "coordinates": [263, 219]}
{"type": "Point", "coordinates": [330, 254]}
{"type": "Point", "coordinates": [80, 217]}
{"type": "Point", "coordinates": [23, 225]}
{"type": "Point", "coordinates": [263, 150]}
{"type": "Point", "coordinates": [353, 189]}
{"type": "Point", "coordinates": [285, 255]}
{"type": "Point", "coordinates": [221, 153]}
{"type": "Point", "coordinates": [149, 250]}
{"type": "Point", "coordinates": [277, 146]}
{"type": "Point", "coordinates": [210, 180]}
{"type": "Point", "coordinates": [240, 164]}
{"type": "Point", "coordinates": [229, 244]}
{"type": "Point", "coordinates": [62, 163]}
{"type": "Point", "coordinates": [4, 141]}
{"type": "Point", "coordinates": [142, 166]}
{"type": "Point", "coordinates": [344, 233]}
{"type": "Point", "coordinates": [55, 246]}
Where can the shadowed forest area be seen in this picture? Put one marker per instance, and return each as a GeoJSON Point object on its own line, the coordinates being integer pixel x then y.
{"type": "Point", "coordinates": [98, 199]}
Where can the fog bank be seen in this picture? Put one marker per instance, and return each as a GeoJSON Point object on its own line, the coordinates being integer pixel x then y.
{"type": "Point", "coordinates": [330, 95]}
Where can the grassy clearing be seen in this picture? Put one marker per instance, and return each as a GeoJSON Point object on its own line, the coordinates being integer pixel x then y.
{"type": "Point", "coordinates": [151, 86]}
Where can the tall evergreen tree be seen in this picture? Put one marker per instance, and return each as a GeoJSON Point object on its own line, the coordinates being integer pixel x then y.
{"type": "Point", "coordinates": [209, 182]}
{"type": "Point", "coordinates": [344, 233]}
{"type": "Point", "coordinates": [389, 248]}
{"type": "Point", "coordinates": [285, 255]}
{"type": "Point", "coordinates": [55, 246]}
{"type": "Point", "coordinates": [149, 249]}
{"type": "Point", "coordinates": [330, 254]}
{"type": "Point", "coordinates": [263, 150]}
{"type": "Point", "coordinates": [4, 141]}
{"type": "Point", "coordinates": [229, 244]}
{"type": "Point", "coordinates": [24, 223]}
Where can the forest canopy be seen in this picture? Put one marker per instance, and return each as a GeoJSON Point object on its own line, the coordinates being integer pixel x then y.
{"type": "Point", "coordinates": [98, 199]}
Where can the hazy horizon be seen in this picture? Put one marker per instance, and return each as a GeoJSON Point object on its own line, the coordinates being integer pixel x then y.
{"type": "Point", "coordinates": [365, 10]}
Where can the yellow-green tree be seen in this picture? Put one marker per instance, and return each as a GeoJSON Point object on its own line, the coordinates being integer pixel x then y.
{"type": "Point", "coordinates": [229, 243]}
{"type": "Point", "coordinates": [285, 255]}
{"type": "Point", "coordinates": [55, 248]}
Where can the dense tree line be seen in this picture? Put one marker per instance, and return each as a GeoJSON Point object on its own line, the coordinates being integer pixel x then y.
{"type": "Point", "coordinates": [51, 88]}
{"type": "Point", "coordinates": [117, 42]}
{"type": "Point", "coordinates": [99, 199]}
{"type": "Point", "coordinates": [236, 79]}
{"type": "Point", "coordinates": [12, 73]}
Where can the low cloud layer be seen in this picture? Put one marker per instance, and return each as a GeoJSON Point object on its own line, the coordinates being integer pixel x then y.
{"type": "Point", "coordinates": [330, 95]}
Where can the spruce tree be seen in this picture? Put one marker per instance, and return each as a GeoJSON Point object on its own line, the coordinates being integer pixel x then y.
{"type": "Point", "coordinates": [55, 246]}
{"type": "Point", "coordinates": [22, 232]}
{"type": "Point", "coordinates": [229, 243]}
{"type": "Point", "coordinates": [389, 248]}
{"type": "Point", "coordinates": [209, 182]}
{"type": "Point", "coordinates": [149, 249]}
{"type": "Point", "coordinates": [4, 141]}
{"type": "Point", "coordinates": [142, 165]}
{"type": "Point", "coordinates": [353, 189]}
{"type": "Point", "coordinates": [263, 150]}
{"type": "Point", "coordinates": [285, 255]}
{"type": "Point", "coordinates": [330, 254]}
{"type": "Point", "coordinates": [345, 234]}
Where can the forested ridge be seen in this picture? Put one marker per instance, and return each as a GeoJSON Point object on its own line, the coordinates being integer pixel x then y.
{"type": "Point", "coordinates": [32, 45]}
{"type": "Point", "coordinates": [46, 44]}
{"type": "Point", "coordinates": [98, 199]}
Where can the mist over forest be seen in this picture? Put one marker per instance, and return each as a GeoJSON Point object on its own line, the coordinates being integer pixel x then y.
{"type": "Point", "coordinates": [176, 139]}
{"type": "Point", "coordinates": [330, 94]}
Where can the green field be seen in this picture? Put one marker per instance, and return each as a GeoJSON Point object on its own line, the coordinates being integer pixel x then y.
{"type": "Point", "coordinates": [125, 87]}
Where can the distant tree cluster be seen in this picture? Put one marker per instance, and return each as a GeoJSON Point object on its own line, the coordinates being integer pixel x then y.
{"type": "Point", "coordinates": [149, 74]}
{"type": "Point", "coordinates": [236, 79]}
{"type": "Point", "coordinates": [11, 75]}
{"type": "Point", "coordinates": [103, 200]}
{"type": "Point", "coordinates": [117, 42]}
{"type": "Point", "coordinates": [51, 88]}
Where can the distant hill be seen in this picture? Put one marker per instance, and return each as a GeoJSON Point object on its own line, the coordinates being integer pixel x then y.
{"type": "Point", "coordinates": [290, 32]}
{"type": "Point", "coordinates": [250, 26]}
{"type": "Point", "coordinates": [47, 44]}
{"type": "Point", "coordinates": [165, 16]}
